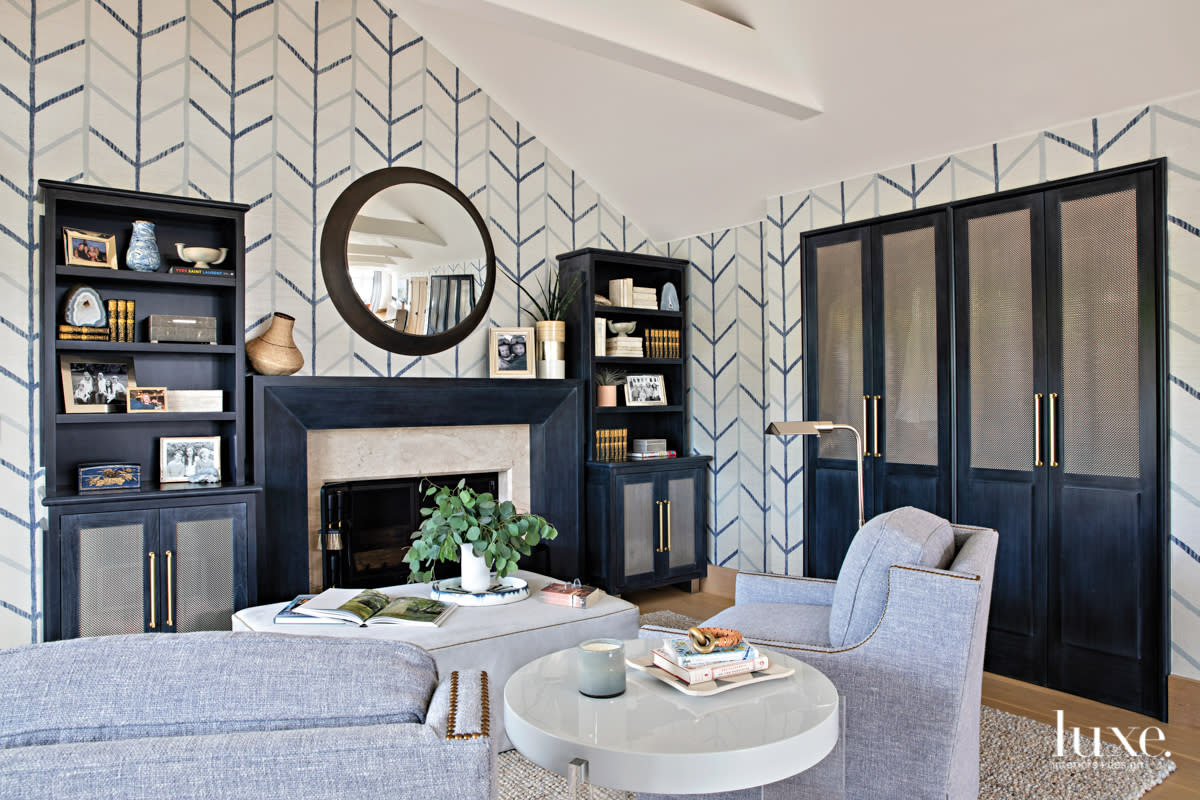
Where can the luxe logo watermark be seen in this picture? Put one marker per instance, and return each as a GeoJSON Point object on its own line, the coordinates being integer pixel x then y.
{"type": "Point", "coordinates": [1086, 745]}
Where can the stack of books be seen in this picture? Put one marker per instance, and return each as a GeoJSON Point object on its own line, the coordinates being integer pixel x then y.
{"type": "Point", "coordinates": [575, 595]}
{"type": "Point", "coordinates": [627, 346]}
{"type": "Point", "coordinates": [645, 297]}
{"type": "Point", "coordinates": [620, 292]}
{"type": "Point", "coordinates": [677, 657]}
{"type": "Point", "coordinates": [649, 449]}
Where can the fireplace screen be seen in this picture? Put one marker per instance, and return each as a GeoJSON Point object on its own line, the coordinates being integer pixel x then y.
{"type": "Point", "coordinates": [366, 527]}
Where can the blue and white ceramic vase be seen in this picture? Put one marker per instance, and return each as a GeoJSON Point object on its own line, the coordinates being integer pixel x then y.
{"type": "Point", "coordinates": [143, 255]}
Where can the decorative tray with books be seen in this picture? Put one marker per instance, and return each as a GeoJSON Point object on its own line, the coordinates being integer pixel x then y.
{"type": "Point", "coordinates": [502, 590]}
{"type": "Point", "coordinates": [704, 689]}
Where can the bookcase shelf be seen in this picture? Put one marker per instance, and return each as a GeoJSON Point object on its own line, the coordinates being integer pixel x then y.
{"type": "Point", "coordinates": [629, 503]}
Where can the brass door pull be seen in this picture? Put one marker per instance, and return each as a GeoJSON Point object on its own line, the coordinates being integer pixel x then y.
{"type": "Point", "coordinates": [878, 397]}
{"type": "Point", "coordinates": [1037, 429]}
{"type": "Point", "coordinates": [659, 503]}
{"type": "Point", "coordinates": [170, 592]}
{"type": "Point", "coordinates": [668, 502]}
{"type": "Point", "coordinates": [866, 443]}
{"type": "Point", "coordinates": [1053, 447]}
{"type": "Point", "coordinates": [153, 592]}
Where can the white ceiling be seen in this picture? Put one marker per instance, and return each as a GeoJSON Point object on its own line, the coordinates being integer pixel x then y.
{"type": "Point", "coordinates": [688, 121]}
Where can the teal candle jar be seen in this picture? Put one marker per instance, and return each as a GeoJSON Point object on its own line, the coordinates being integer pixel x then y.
{"type": "Point", "coordinates": [601, 666]}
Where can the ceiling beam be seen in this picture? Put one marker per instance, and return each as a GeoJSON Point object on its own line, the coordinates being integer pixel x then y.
{"type": "Point", "coordinates": [667, 37]}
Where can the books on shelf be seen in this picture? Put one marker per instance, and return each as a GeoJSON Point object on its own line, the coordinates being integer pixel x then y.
{"type": "Point", "coordinates": [649, 445]}
{"type": "Point", "coordinates": [209, 271]}
{"type": "Point", "coordinates": [85, 333]}
{"type": "Point", "coordinates": [371, 607]}
{"type": "Point", "coordinates": [682, 653]}
{"type": "Point", "coordinates": [645, 297]}
{"type": "Point", "coordinates": [620, 291]}
{"type": "Point", "coordinates": [629, 346]}
{"type": "Point", "coordinates": [708, 672]}
{"type": "Point", "coordinates": [575, 595]}
{"type": "Point", "coordinates": [601, 344]}
{"type": "Point", "coordinates": [288, 615]}
{"type": "Point", "coordinates": [652, 455]}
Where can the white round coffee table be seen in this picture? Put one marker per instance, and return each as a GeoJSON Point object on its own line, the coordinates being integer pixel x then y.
{"type": "Point", "coordinates": [656, 739]}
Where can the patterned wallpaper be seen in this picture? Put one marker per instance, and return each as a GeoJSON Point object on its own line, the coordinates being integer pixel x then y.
{"type": "Point", "coordinates": [281, 103]}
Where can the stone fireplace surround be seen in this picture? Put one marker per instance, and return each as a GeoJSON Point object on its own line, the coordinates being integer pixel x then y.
{"type": "Point", "coordinates": [286, 409]}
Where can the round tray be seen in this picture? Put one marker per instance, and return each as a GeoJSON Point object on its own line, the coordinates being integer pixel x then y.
{"type": "Point", "coordinates": [503, 590]}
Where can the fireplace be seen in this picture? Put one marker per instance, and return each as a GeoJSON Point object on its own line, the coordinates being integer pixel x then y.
{"type": "Point", "coordinates": [366, 527]}
{"type": "Point", "coordinates": [535, 427]}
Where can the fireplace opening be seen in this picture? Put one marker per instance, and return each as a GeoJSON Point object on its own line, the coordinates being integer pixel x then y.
{"type": "Point", "coordinates": [366, 527]}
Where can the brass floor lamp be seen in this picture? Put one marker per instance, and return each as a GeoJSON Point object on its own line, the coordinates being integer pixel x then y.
{"type": "Point", "coordinates": [813, 428]}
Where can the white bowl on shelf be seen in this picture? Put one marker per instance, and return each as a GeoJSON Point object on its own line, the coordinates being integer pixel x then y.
{"type": "Point", "coordinates": [200, 256]}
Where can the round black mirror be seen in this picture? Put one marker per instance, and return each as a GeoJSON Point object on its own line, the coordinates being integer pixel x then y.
{"type": "Point", "coordinates": [408, 261]}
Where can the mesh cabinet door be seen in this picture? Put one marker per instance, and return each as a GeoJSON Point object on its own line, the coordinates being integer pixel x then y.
{"type": "Point", "coordinates": [108, 560]}
{"type": "Point", "coordinates": [200, 544]}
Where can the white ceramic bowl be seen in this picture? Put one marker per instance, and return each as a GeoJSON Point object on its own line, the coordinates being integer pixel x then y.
{"type": "Point", "coordinates": [200, 255]}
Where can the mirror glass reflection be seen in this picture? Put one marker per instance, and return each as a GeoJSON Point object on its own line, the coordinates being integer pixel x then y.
{"type": "Point", "coordinates": [416, 259]}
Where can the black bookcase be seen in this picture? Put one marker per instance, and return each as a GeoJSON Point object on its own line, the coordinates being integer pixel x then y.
{"type": "Point", "coordinates": [645, 519]}
{"type": "Point", "coordinates": [70, 439]}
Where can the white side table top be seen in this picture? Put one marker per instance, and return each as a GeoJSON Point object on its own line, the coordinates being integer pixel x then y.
{"type": "Point", "coordinates": [656, 739]}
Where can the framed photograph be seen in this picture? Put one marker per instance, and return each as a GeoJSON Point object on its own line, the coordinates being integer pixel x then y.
{"type": "Point", "coordinates": [510, 353]}
{"type": "Point", "coordinates": [146, 398]}
{"type": "Point", "coordinates": [645, 390]}
{"type": "Point", "coordinates": [189, 459]}
{"type": "Point", "coordinates": [90, 249]}
{"type": "Point", "coordinates": [95, 384]}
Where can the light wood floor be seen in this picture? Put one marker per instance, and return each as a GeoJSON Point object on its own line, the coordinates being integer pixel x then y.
{"type": "Point", "coordinates": [1009, 695]}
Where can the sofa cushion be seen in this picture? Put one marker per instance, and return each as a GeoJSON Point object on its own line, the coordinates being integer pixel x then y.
{"type": "Point", "coordinates": [904, 536]}
{"type": "Point", "coordinates": [124, 687]}
{"type": "Point", "coordinates": [776, 622]}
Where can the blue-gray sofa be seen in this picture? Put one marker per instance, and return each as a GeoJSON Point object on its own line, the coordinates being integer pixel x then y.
{"type": "Point", "coordinates": [246, 715]}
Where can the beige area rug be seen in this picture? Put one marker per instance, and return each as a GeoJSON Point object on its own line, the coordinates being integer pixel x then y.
{"type": "Point", "coordinates": [1017, 762]}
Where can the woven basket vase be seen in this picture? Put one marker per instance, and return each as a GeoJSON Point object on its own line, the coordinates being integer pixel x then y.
{"type": "Point", "coordinates": [275, 353]}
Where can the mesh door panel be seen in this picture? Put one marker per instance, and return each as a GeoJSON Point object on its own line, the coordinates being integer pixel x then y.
{"type": "Point", "coordinates": [1001, 341]}
{"type": "Point", "coordinates": [1100, 411]}
{"type": "Point", "coordinates": [840, 343]}
{"type": "Point", "coordinates": [203, 566]}
{"type": "Point", "coordinates": [682, 494]}
{"type": "Point", "coordinates": [640, 540]}
{"type": "Point", "coordinates": [111, 573]}
{"type": "Point", "coordinates": [910, 347]}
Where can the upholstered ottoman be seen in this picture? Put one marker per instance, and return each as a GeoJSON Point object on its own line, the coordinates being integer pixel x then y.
{"type": "Point", "coordinates": [497, 639]}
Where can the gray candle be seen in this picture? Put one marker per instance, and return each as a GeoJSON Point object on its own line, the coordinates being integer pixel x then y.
{"type": "Point", "coordinates": [601, 667]}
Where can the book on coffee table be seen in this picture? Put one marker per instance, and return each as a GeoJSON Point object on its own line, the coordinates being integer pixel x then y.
{"type": "Point", "coordinates": [372, 607]}
{"type": "Point", "coordinates": [575, 595]}
{"type": "Point", "coordinates": [288, 615]}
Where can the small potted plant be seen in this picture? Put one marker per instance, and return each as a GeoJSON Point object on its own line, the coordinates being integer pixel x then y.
{"type": "Point", "coordinates": [548, 314]}
{"type": "Point", "coordinates": [607, 381]}
{"type": "Point", "coordinates": [486, 535]}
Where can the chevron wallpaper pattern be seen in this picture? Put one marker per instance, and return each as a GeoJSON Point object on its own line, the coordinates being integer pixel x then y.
{"type": "Point", "coordinates": [281, 103]}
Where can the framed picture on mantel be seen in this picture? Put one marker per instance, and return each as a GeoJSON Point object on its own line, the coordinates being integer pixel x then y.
{"type": "Point", "coordinates": [510, 353]}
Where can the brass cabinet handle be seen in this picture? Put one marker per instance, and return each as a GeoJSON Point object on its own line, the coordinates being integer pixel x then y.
{"type": "Point", "coordinates": [659, 503]}
{"type": "Point", "coordinates": [170, 592]}
{"type": "Point", "coordinates": [1037, 429]}
{"type": "Point", "coordinates": [866, 443]}
{"type": "Point", "coordinates": [1053, 449]}
{"type": "Point", "coordinates": [878, 397]}
{"type": "Point", "coordinates": [668, 502]}
{"type": "Point", "coordinates": [153, 592]}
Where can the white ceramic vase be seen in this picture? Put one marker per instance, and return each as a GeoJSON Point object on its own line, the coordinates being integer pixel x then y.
{"type": "Point", "coordinates": [475, 574]}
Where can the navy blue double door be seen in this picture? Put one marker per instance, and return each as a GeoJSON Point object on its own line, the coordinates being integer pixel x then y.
{"type": "Point", "coordinates": [877, 350]}
{"type": "Point", "coordinates": [1050, 414]}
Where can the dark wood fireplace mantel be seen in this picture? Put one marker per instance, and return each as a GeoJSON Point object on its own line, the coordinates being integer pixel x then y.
{"type": "Point", "coordinates": [285, 409]}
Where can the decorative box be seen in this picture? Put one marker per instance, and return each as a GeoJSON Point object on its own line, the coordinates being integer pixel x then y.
{"type": "Point", "coordinates": [100, 476]}
{"type": "Point", "coordinates": [195, 400]}
{"type": "Point", "coordinates": [645, 445]}
{"type": "Point", "coordinates": [182, 328]}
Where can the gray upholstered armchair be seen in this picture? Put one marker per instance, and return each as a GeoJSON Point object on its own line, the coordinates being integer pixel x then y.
{"type": "Point", "coordinates": [901, 634]}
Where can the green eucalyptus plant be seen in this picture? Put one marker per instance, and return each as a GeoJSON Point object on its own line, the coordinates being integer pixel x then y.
{"type": "Point", "coordinates": [460, 515]}
{"type": "Point", "coordinates": [556, 298]}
